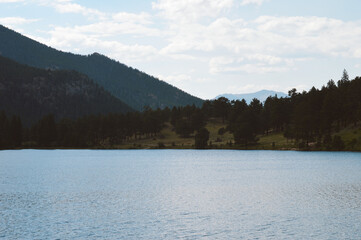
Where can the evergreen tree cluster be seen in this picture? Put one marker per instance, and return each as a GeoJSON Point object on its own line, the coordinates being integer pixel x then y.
{"type": "Point", "coordinates": [307, 117]}
{"type": "Point", "coordinates": [315, 115]}
{"type": "Point", "coordinates": [11, 132]}
{"type": "Point", "coordinates": [310, 118]}
{"type": "Point", "coordinates": [186, 120]}
{"type": "Point", "coordinates": [86, 132]}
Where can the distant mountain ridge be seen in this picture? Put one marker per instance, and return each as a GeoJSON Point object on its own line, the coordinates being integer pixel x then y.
{"type": "Point", "coordinates": [260, 95]}
{"type": "Point", "coordinates": [32, 93]}
{"type": "Point", "coordinates": [133, 87]}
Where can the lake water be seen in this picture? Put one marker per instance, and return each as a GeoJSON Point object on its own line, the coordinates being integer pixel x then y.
{"type": "Point", "coordinates": [179, 194]}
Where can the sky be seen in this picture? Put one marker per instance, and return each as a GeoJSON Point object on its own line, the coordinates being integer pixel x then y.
{"type": "Point", "coordinates": [205, 47]}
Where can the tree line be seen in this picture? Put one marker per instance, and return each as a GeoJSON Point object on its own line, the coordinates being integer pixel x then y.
{"type": "Point", "coordinates": [305, 117]}
{"type": "Point", "coordinates": [85, 132]}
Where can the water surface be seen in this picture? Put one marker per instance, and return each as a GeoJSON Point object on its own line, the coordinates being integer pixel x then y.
{"type": "Point", "coordinates": [179, 194]}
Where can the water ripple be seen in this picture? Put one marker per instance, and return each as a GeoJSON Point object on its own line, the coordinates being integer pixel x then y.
{"type": "Point", "coordinates": [179, 195]}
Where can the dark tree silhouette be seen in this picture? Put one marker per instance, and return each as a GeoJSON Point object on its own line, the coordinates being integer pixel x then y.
{"type": "Point", "coordinates": [201, 138]}
{"type": "Point", "coordinates": [311, 118]}
{"type": "Point", "coordinates": [46, 131]}
{"type": "Point", "coordinates": [15, 132]}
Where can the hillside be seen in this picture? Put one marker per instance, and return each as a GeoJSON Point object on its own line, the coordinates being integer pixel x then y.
{"type": "Point", "coordinates": [321, 119]}
{"type": "Point", "coordinates": [260, 95]}
{"type": "Point", "coordinates": [32, 93]}
{"type": "Point", "coordinates": [133, 87]}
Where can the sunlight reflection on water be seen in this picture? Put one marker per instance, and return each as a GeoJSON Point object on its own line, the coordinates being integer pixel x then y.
{"type": "Point", "coordinates": [170, 194]}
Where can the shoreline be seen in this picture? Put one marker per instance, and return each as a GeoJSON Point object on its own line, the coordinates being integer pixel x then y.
{"type": "Point", "coordinates": [181, 148]}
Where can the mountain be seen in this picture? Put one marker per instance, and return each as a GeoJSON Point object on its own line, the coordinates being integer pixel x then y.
{"type": "Point", "coordinates": [32, 93]}
{"type": "Point", "coordinates": [135, 88]}
{"type": "Point", "coordinates": [260, 95]}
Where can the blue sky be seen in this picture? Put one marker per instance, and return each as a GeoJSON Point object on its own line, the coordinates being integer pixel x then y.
{"type": "Point", "coordinates": [205, 47]}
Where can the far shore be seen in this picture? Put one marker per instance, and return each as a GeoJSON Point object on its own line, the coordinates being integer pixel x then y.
{"type": "Point", "coordinates": [251, 148]}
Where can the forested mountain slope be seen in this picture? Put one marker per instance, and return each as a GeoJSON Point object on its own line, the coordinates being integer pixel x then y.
{"type": "Point", "coordinates": [32, 93]}
{"type": "Point", "coordinates": [135, 88]}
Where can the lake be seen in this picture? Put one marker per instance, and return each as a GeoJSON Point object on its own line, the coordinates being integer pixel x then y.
{"type": "Point", "coordinates": [179, 194]}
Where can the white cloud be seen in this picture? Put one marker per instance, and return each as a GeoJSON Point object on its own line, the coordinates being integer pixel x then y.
{"type": "Point", "coordinates": [175, 78]}
{"type": "Point", "coordinates": [186, 57]}
{"type": "Point", "coordinates": [69, 7]}
{"type": "Point", "coordinates": [16, 21]}
{"type": "Point", "coordinates": [267, 44]}
{"type": "Point", "coordinates": [312, 35]}
{"type": "Point", "coordinates": [247, 88]}
{"type": "Point", "coordinates": [111, 28]}
{"type": "Point", "coordinates": [207, 38]}
{"type": "Point", "coordinates": [256, 2]}
{"type": "Point", "coordinates": [142, 18]}
{"type": "Point", "coordinates": [10, 1]}
{"type": "Point", "coordinates": [299, 25]}
{"type": "Point", "coordinates": [263, 45]}
{"type": "Point", "coordinates": [253, 63]}
{"type": "Point", "coordinates": [269, 59]}
{"type": "Point", "coordinates": [181, 79]}
{"type": "Point", "coordinates": [104, 24]}
{"type": "Point", "coordinates": [254, 68]}
{"type": "Point", "coordinates": [191, 10]}
{"type": "Point", "coordinates": [103, 32]}
{"type": "Point", "coordinates": [206, 33]}
{"type": "Point", "coordinates": [69, 39]}
{"type": "Point", "coordinates": [219, 64]}
{"type": "Point", "coordinates": [258, 68]}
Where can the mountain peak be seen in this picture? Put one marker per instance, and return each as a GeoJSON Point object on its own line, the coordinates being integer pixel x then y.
{"type": "Point", "coordinates": [261, 95]}
{"type": "Point", "coordinates": [96, 54]}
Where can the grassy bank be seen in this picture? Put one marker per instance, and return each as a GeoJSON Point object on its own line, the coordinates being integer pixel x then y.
{"type": "Point", "coordinates": [168, 139]}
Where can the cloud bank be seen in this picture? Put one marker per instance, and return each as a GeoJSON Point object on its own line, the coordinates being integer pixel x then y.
{"type": "Point", "coordinates": [203, 33]}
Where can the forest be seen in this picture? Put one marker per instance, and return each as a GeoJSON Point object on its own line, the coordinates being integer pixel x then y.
{"type": "Point", "coordinates": [32, 93]}
{"type": "Point", "coordinates": [131, 86]}
{"type": "Point", "coordinates": [310, 120]}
